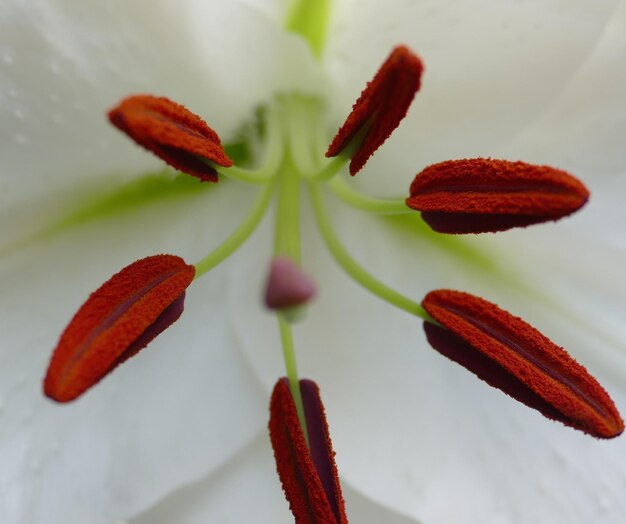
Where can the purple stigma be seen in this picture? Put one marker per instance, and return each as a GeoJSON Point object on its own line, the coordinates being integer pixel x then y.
{"type": "Point", "coordinates": [287, 285]}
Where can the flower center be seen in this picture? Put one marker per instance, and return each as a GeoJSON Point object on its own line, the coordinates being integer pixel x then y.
{"type": "Point", "coordinates": [293, 159]}
{"type": "Point", "coordinates": [462, 196]}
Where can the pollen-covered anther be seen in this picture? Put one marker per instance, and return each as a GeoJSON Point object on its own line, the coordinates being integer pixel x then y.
{"type": "Point", "coordinates": [511, 355]}
{"type": "Point", "coordinates": [287, 285]}
{"type": "Point", "coordinates": [482, 195]}
{"type": "Point", "coordinates": [117, 320]}
{"type": "Point", "coordinates": [382, 105]}
{"type": "Point", "coordinates": [173, 133]}
{"type": "Point", "coordinates": [309, 476]}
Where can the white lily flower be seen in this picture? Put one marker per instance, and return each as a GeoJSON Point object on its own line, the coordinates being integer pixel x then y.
{"type": "Point", "coordinates": [179, 434]}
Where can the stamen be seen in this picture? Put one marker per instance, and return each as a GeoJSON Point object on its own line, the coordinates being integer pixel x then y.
{"type": "Point", "coordinates": [287, 285]}
{"type": "Point", "coordinates": [309, 477]}
{"type": "Point", "coordinates": [352, 267]}
{"type": "Point", "coordinates": [119, 319]}
{"type": "Point", "coordinates": [483, 195]}
{"type": "Point", "coordinates": [171, 132]}
{"type": "Point", "coordinates": [381, 106]}
{"type": "Point", "coordinates": [509, 354]}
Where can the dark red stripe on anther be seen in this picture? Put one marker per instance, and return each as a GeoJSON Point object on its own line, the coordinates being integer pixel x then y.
{"type": "Point", "coordinates": [309, 477]}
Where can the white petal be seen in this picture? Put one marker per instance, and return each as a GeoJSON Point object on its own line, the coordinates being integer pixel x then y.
{"type": "Point", "coordinates": [606, 216]}
{"type": "Point", "coordinates": [63, 65]}
{"type": "Point", "coordinates": [585, 128]}
{"type": "Point", "coordinates": [491, 68]}
{"type": "Point", "coordinates": [247, 489]}
{"type": "Point", "coordinates": [363, 508]}
{"type": "Point", "coordinates": [275, 9]}
{"type": "Point", "coordinates": [178, 410]}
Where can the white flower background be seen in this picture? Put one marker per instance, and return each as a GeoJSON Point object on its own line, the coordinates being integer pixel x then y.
{"type": "Point", "coordinates": [178, 434]}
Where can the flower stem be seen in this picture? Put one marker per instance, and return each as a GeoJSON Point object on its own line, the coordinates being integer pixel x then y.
{"type": "Point", "coordinates": [239, 236]}
{"type": "Point", "coordinates": [352, 267]}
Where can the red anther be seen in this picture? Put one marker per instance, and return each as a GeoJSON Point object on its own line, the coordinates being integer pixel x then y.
{"type": "Point", "coordinates": [117, 320]}
{"type": "Point", "coordinates": [511, 355]}
{"type": "Point", "coordinates": [171, 132]}
{"type": "Point", "coordinates": [382, 105]}
{"type": "Point", "coordinates": [481, 195]}
{"type": "Point", "coordinates": [309, 478]}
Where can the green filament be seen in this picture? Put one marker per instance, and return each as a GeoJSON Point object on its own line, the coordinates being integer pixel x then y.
{"type": "Point", "coordinates": [365, 202]}
{"type": "Point", "coordinates": [274, 152]}
{"type": "Point", "coordinates": [239, 236]}
{"type": "Point", "coordinates": [352, 267]}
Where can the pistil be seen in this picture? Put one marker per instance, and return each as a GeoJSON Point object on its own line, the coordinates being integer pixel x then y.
{"type": "Point", "coordinates": [287, 243]}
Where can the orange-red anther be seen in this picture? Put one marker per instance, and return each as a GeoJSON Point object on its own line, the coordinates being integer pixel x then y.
{"type": "Point", "coordinates": [511, 355]}
{"type": "Point", "coordinates": [309, 478]}
{"type": "Point", "coordinates": [171, 132]}
{"type": "Point", "coordinates": [117, 320]}
{"type": "Point", "coordinates": [482, 195]}
{"type": "Point", "coordinates": [381, 106]}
